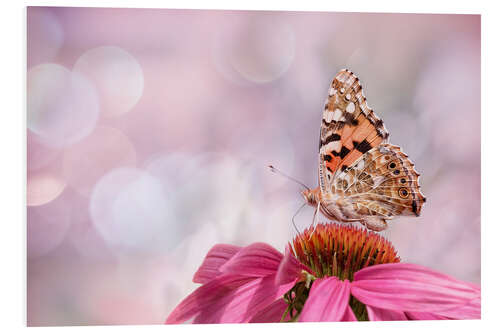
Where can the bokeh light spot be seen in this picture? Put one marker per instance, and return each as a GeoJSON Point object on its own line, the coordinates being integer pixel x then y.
{"type": "Point", "coordinates": [116, 74]}
{"type": "Point", "coordinates": [62, 106]}
{"type": "Point", "coordinates": [260, 49]}
{"type": "Point", "coordinates": [130, 210]}
{"type": "Point", "coordinates": [43, 188]}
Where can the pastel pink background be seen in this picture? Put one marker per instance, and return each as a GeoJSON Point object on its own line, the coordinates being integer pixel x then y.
{"type": "Point", "coordinates": [150, 132]}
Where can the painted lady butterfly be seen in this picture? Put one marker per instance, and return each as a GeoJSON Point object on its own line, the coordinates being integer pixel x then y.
{"type": "Point", "coordinates": [362, 178]}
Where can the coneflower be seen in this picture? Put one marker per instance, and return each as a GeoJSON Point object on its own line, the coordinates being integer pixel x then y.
{"type": "Point", "coordinates": [328, 273]}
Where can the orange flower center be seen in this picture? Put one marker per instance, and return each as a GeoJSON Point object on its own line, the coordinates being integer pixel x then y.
{"type": "Point", "coordinates": [336, 250]}
{"type": "Point", "coordinates": [341, 250]}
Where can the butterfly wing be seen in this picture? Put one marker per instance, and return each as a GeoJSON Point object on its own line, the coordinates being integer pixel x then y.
{"type": "Point", "coordinates": [361, 176]}
{"type": "Point", "coordinates": [382, 183]}
{"type": "Point", "coordinates": [349, 129]}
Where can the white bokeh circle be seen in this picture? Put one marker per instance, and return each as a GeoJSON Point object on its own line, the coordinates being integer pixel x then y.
{"type": "Point", "coordinates": [131, 210]}
{"type": "Point", "coordinates": [116, 74]}
{"type": "Point", "coordinates": [212, 188]}
{"type": "Point", "coordinates": [260, 49]}
{"type": "Point", "coordinates": [62, 106]}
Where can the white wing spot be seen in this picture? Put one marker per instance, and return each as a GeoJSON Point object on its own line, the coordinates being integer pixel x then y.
{"type": "Point", "coordinates": [350, 107]}
{"type": "Point", "coordinates": [331, 146]}
{"type": "Point", "coordinates": [360, 165]}
{"type": "Point", "coordinates": [337, 114]}
{"type": "Point", "coordinates": [327, 116]}
{"type": "Point", "coordinates": [348, 97]}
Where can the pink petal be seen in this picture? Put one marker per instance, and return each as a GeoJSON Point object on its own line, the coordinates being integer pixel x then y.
{"type": "Point", "coordinates": [217, 256]}
{"type": "Point", "coordinates": [413, 288]}
{"type": "Point", "coordinates": [206, 296]}
{"type": "Point", "coordinates": [471, 310]}
{"type": "Point", "coordinates": [241, 305]}
{"type": "Point", "coordinates": [349, 315]}
{"type": "Point", "coordinates": [424, 316]}
{"type": "Point", "coordinates": [290, 268]}
{"type": "Point", "coordinates": [257, 260]}
{"type": "Point", "coordinates": [328, 300]}
{"type": "Point", "coordinates": [377, 314]}
{"type": "Point", "coordinates": [272, 313]}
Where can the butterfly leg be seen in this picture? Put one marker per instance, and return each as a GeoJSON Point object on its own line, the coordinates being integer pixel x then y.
{"type": "Point", "coordinates": [314, 223]}
{"type": "Point", "coordinates": [293, 218]}
{"type": "Point", "coordinates": [374, 223]}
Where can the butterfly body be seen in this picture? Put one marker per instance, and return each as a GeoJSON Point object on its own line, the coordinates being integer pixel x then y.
{"type": "Point", "coordinates": [361, 176]}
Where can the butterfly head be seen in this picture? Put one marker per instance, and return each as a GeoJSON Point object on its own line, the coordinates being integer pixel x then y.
{"type": "Point", "coordinates": [311, 196]}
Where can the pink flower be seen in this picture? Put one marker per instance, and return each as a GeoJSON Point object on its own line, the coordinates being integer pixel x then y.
{"type": "Point", "coordinates": [332, 273]}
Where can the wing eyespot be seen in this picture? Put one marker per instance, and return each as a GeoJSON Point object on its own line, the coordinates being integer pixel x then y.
{"type": "Point", "coordinates": [403, 192]}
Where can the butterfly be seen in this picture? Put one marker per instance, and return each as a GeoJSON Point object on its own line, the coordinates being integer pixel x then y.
{"type": "Point", "coordinates": [362, 177]}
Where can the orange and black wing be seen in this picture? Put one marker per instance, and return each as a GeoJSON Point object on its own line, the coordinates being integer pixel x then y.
{"type": "Point", "coordinates": [349, 128]}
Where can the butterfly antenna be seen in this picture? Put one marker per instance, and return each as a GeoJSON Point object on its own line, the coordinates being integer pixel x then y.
{"type": "Point", "coordinates": [273, 169]}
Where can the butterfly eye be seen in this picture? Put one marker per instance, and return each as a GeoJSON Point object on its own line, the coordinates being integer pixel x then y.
{"type": "Point", "coordinates": [403, 192]}
{"type": "Point", "coordinates": [402, 180]}
{"type": "Point", "coordinates": [392, 165]}
{"type": "Point", "coordinates": [396, 172]}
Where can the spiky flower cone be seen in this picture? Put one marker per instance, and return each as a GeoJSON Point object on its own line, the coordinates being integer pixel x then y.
{"type": "Point", "coordinates": [336, 250]}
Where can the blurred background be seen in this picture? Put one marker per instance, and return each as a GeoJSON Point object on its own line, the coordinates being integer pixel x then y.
{"type": "Point", "coordinates": [150, 130]}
